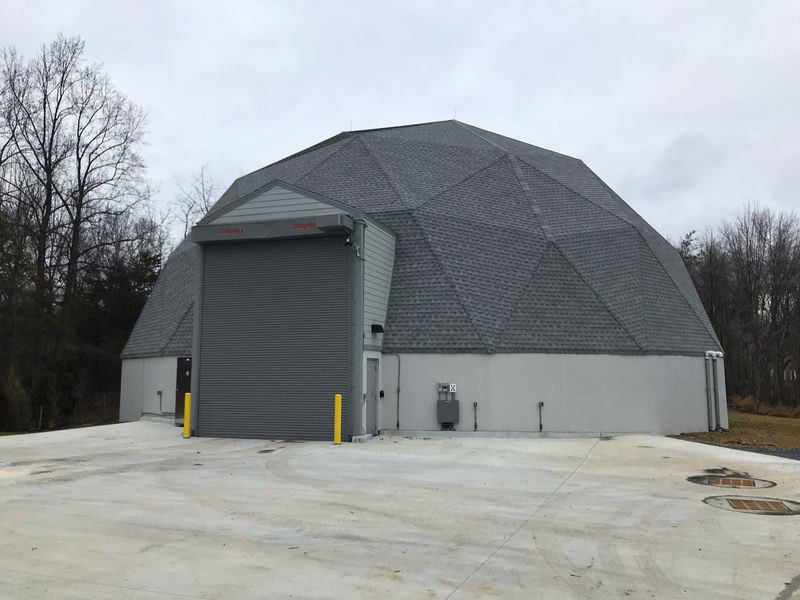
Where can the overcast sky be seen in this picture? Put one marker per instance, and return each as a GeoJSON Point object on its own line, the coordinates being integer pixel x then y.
{"type": "Point", "coordinates": [687, 109]}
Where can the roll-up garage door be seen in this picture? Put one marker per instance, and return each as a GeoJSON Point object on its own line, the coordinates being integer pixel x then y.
{"type": "Point", "coordinates": [274, 338]}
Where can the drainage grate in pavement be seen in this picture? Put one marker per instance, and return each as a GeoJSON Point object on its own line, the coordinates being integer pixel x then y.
{"type": "Point", "coordinates": [731, 482]}
{"type": "Point", "coordinates": [769, 505]}
{"type": "Point", "coordinates": [755, 506]}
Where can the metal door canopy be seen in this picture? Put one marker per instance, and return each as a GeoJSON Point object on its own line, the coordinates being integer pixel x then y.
{"type": "Point", "coordinates": [283, 228]}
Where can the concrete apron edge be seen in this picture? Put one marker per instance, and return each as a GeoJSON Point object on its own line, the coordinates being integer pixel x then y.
{"type": "Point", "coordinates": [507, 434]}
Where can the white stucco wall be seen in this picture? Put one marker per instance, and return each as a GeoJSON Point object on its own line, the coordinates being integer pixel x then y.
{"type": "Point", "coordinates": [142, 379]}
{"type": "Point", "coordinates": [581, 393]}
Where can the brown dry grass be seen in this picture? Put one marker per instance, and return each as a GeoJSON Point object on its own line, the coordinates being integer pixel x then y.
{"type": "Point", "coordinates": [753, 430]}
{"type": "Point", "coordinates": [748, 405]}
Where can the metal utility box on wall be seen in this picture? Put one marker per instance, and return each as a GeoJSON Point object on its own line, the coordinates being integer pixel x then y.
{"type": "Point", "coordinates": [447, 411]}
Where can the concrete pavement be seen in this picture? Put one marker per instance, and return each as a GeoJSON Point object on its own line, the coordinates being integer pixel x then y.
{"type": "Point", "coordinates": [132, 511]}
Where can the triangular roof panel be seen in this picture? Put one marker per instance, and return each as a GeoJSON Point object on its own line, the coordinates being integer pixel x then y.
{"type": "Point", "coordinates": [501, 246]}
{"type": "Point", "coordinates": [558, 311]}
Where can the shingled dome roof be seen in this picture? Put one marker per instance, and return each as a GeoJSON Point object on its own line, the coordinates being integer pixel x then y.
{"type": "Point", "coordinates": [501, 247]}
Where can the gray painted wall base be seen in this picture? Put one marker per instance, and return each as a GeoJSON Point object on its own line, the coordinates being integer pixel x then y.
{"type": "Point", "coordinates": [582, 393]}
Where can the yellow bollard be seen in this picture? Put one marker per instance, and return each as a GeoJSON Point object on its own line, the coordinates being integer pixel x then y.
{"type": "Point", "coordinates": [187, 415]}
{"type": "Point", "coordinates": [337, 419]}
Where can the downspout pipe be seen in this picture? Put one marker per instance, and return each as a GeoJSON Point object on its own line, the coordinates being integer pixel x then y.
{"type": "Point", "coordinates": [714, 356]}
{"type": "Point", "coordinates": [709, 392]}
{"type": "Point", "coordinates": [717, 419]}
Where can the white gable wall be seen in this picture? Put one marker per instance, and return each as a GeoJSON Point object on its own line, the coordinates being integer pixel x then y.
{"type": "Point", "coordinates": [142, 380]}
{"type": "Point", "coordinates": [276, 203]}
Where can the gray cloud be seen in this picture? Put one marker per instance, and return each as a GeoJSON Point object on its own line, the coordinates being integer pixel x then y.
{"type": "Point", "coordinates": [687, 109]}
{"type": "Point", "coordinates": [686, 162]}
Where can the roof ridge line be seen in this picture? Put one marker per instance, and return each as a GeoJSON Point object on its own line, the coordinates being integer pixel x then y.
{"type": "Point", "coordinates": [318, 146]}
{"type": "Point", "coordinates": [708, 327]}
{"type": "Point", "coordinates": [360, 131]}
{"type": "Point", "coordinates": [449, 282]}
{"type": "Point", "coordinates": [612, 192]}
{"type": "Point", "coordinates": [574, 191]}
{"type": "Point", "coordinates": [599, 299]}
{"type": "Point", "coordinates": [518, 299]}
{"type": "Point", "coordinates": [481, 223]}
{"type": "Point", "coordinates": [460, 181]}
{"type": "Point", "coordinates": [177, 326]}
{"type": "Point", "coordinates": [323, 161]}
{"type": "Point", "coordinates": [283, 172]}
{"type": "Point", "coordinates": [713, 335]}
{"type": "Point", "coordinates": [627, 223]}
{"type": "Point", "coordinates": [508, 137]}
{"type": "Point", "coordinates": [384, 173]}
{"type": "Point", "coordinates": [393, 211]}
{"type": "Point", "coordinates": [526, 190]}
{"type": "Point", "coordinates": [479, 136]}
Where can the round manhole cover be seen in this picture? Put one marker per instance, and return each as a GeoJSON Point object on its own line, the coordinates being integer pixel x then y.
{"type": "Point", "coordinates": [731, 481]}
{"type": "Point", "coordinates": [755, 505]}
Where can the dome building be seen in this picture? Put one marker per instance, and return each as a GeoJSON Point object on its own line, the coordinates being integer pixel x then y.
{"type": "Point", "coordinates": [438, 276]}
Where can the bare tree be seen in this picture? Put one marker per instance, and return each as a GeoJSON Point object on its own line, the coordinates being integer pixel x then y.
{"type": "Point", "coordinates": [107, 169]}
{"type": "Point", "coordinates": [783, 280]}
{"type": "Point", "coordinates": [36, 109]}
{"type": "Point", "coordinates": [78, 249]}
{"type": "Point", "coordinates": [195, 197]}
{"type": "Point", "coordinates": [747, 241]}
{"type": "Point", "coordinates": [748, 278]}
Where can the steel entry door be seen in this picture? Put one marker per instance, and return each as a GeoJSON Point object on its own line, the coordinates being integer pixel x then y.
{"type": "Point", "coordinates": [274, 338]}
{"type": "Point", "coordinates": [183, 384]}
{"type": "Point", "coordinates": [372, 396]}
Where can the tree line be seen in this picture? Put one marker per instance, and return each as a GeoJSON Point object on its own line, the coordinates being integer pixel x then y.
{"type": "Point", "coordinates": [80, 247]}
{"type": "Point", "coordinates": [747, 273]}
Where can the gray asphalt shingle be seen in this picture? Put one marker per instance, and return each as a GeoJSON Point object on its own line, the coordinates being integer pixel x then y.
{"type": "Point", "coordinates": [162, 322]}
{"type": "Point", "coordinates": [581, 320]}
{"type": "Point", "coordinates": [352, 176]}
{"type": "Point", "coordinates": [501, 247]}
